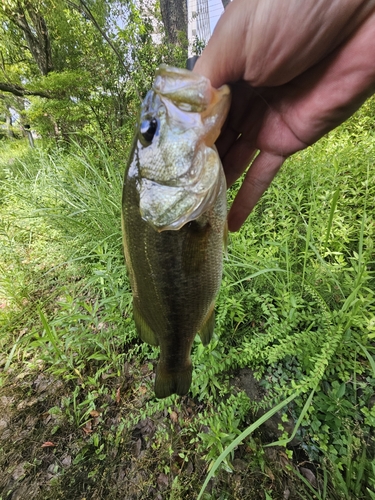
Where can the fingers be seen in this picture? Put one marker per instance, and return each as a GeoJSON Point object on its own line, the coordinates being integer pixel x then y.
{"type": "Point", "coordinates": [257, 180]}
{"type": "Point", "coordinates": [269, 44]}
{"type": "Point", "coordinates": [238, 158]}
{"type": "Point", "coordinates": [223, 61]}
{"type": "Point", "coordinates": [242, 115]}
{"type": "Point", "coordinates": [237, 142]}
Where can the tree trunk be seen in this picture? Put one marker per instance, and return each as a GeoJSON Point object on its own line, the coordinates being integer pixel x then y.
{"type": "Point", "coordinates": [174, 15]}
{"type": "Point", "coordinates": [8, 122]}
{"type": "Point", "coordinates": [35, 30]}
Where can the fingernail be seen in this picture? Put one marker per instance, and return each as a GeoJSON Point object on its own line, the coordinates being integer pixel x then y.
{"type": "Point", "coordinates": [234, 222]}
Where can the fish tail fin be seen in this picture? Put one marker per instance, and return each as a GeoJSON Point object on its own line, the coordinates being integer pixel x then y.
{"type": "Point", "coordinates": [169, 382]}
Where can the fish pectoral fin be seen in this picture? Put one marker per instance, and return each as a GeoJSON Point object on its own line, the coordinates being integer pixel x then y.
{"type": "Point", "coordinates": [143, 330]}
{"type": "Point", "coordinates": [226, 238]}
{"type": "Point", "coordinates": [168, 382]}
{"type": "Point", "coordinates": [207, 330]}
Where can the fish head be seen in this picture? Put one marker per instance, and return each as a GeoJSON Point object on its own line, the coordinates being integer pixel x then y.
{"type": "Point", "coordinates": [177, 168]}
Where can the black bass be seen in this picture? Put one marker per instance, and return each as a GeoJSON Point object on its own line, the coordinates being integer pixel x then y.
{"type": "Point", "coordinates": [174, 219]}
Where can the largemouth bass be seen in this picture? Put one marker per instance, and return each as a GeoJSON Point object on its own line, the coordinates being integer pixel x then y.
{"type": "Point", "coordinates": [174, 219]}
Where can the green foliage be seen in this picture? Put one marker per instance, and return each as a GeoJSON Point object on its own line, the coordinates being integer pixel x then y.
{"type": "Point", "coordinates": [297, 302]}
{"type": "Point", "coordinates": [102, 63]}
{"type": "Point", "coordinates": [240, 438]}
{"type": "Point", "coordinates": [222, 427]}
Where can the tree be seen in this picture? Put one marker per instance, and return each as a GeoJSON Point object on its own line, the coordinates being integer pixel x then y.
{"type": "Point", "coordinates": [82, 65]}
{"type": "Point", "coordinates": [174, 15]}
{"type": "Point", "coordinates": [28, 18]}
{"type": "Point", "coordinates": [53, 51]}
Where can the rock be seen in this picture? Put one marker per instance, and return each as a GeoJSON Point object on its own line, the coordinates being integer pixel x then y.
{"type": "Point", "coordinates": [6, 401]}
{"type": "Point", "coordinates": [7, 434]}
{"type": "Point", "coordinates": [137, 446]}
{"type": "Point", "coordinates": [246, 382]}
{"type": "Point", "coordinates": [189, 469]}
{"type": "Point", "coordinates": [309, 475]}
{"type": "Point", "coordinates": [52, 468]}
{"type": "Point", "coordinates": [162, 481]}
{"type": "Point", "coordinates": [286, 494]}
{"type": "Point", "coordinates": [18, 472]}
{"type": "Point", "coordinates": [66, 461]}
{"type": "Point", "coordinates": [3, 425]}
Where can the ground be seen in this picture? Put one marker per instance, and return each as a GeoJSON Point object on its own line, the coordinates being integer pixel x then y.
{"type": "Point", "coordinates": [46, 456]}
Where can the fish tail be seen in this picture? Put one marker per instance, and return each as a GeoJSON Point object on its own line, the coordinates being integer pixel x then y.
{"type": "Point", "coordinates": [169, 382]}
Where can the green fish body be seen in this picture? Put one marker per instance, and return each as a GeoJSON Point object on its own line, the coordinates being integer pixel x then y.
{"type": "Point", "coordinates": [174, 219]}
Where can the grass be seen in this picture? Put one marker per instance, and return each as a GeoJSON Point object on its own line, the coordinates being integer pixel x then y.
{"type": "Point", "coordinates": [296, 308]}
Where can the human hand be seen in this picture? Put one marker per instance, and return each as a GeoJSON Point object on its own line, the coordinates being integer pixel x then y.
{"type": "Point", "coordinates": [298, 70]}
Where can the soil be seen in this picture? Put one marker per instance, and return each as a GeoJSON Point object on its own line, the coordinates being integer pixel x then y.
{"type": "Point", "coordinates": [46, 455]}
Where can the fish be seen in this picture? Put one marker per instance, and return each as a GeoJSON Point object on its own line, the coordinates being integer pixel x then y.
{"type": "Point", "coordinates": [174, 214]}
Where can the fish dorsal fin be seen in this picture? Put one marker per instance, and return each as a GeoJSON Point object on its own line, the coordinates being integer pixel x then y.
{"type": "Point", "coordinates": [143, 330]}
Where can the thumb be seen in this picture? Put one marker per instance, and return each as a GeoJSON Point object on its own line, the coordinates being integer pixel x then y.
{"type": "Point", "coordinates": [223, 59]}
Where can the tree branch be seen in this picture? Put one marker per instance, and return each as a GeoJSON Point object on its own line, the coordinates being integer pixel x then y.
{"type": "Point", "coordinates": [36, 35]}
{"type": "Point", "coordinates": [83, 9]}
{"type": "Point", "coordinates": [19, 91]}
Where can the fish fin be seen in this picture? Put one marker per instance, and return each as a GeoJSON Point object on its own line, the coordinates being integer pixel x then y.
{"type": "Point", "coordinates": [226, 238]}
{"type": "Point", "coordinates": [172, 382]}
{"type": "Point", "coordinates": [143, 330]}
{"type": "Point", "coordinates": [207, 330]}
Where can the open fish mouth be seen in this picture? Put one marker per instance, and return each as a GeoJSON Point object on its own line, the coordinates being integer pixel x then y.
{"type": "Point", "coordinates": [170, 208]}
{"type": "Point", "coordinates": [178, 168]}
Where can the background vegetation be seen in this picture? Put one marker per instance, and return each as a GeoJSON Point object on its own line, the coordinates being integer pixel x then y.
{"type": "Point", "coordinates": [295, 315]}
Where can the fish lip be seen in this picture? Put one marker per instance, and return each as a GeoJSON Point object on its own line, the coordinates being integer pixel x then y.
{"type": "Point", "coordinates": [170, 81]}
{"type": "Point", "coordinates": [199, 203]}
{"type": "Point", "coordinates": [169, 206]}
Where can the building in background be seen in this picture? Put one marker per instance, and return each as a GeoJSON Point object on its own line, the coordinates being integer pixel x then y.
{"type": "Point", "coordinates": [202, 18]}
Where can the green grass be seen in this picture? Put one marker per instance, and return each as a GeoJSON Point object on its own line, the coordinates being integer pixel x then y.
{"type": "Point", "coordinates": [296, 307]}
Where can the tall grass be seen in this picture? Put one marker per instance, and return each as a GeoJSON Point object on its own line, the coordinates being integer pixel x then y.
{"type": "Point", "coordinates": [61, 222]}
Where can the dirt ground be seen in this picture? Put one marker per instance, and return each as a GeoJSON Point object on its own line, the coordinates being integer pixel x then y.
{"type": "Point", "coordinates": [46, 455]}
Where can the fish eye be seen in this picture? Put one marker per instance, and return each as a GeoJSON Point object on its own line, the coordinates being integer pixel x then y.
{"type": "Point", "coordinates": [148, 129]}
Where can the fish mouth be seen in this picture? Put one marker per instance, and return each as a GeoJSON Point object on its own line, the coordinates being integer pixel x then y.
{"type": "Point", "coordinates": [169, 205]}
{"type": "Point", "coordinates": [176, 185]}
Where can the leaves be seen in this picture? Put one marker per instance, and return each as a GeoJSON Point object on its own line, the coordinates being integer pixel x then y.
{"type": "Point", "coordinates": [48, 444]}
{"type": "Point", "coordinates": [67, 52]}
